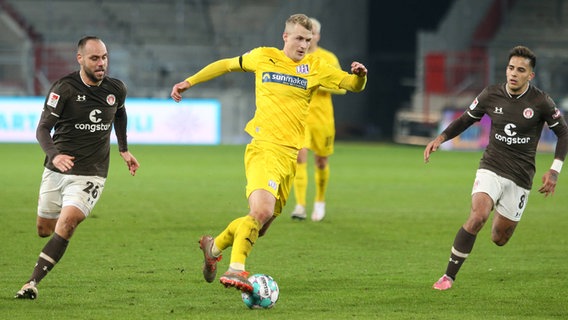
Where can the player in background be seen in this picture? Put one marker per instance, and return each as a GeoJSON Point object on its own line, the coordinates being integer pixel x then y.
{"type": "Point", "coordinates": [285, 81]}
{"type": "Point", "coordinates": [320, 136]}
{"type": "Point", "coordinates": [518, 111]}
{"type": "Point", "coordinates": [82, 108]}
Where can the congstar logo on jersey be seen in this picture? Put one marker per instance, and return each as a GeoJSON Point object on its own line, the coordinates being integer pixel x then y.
{"type": "Point", "coordinates": [510, 136]}
{"type": "Point", "coordinates": [95, 124]}
{"type": "Point", "coordinates": [286, 79]}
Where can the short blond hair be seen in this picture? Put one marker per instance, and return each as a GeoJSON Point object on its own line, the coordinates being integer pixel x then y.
{"type": "Point", "coordinates": [316, 25]}
{"type": "Point", "coordinates": [300, 19]}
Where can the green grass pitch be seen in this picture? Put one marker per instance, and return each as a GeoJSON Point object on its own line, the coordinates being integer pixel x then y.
{"type": "Point", "coordinates": [390, 223]}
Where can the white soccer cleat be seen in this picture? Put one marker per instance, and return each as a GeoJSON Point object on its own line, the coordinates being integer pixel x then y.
{"type": "Point", "coordinates": [299, 212]}
{"type": "Point", "coordinates": [319, 211]}
{"type": "Point", "coordinates": [28, 291]}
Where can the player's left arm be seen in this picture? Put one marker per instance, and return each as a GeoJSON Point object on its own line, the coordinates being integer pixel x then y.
{"type": "Point", "coordinates": [558, 125]}
{"type": "Point", "coordinates": [120, 124]}
{"type": "Point", "coordinates": [357, 80]}
{"type": "Point", "coordinates": [333, 91]}
{"type": "Point", "coordinates": [334, 62]}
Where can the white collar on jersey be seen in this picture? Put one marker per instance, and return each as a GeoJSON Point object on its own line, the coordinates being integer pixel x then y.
{"type": "Point", "coordinates": [88, 85]}
{"type": "Point", "coordinates": [510, 96]}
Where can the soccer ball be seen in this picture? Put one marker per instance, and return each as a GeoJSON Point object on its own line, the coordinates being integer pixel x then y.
{"type": "Point", "coordinates": [264, 293]}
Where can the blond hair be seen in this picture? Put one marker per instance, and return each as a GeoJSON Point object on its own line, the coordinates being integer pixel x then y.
{"type": "Point", "coordinates": [316, 25]}
{"type": "Point", "coordinates": [300, 19]}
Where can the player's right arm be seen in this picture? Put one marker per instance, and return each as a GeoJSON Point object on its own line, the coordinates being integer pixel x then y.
{"type": "Point", "coordinates": [452, 130]}
{"type": "Point", "coordinates": [211, 71]}
{"type": "Point", "coordinates": [473, 113]}
{"type": "Point", "coordinates": [433, 146]}
{"type": "Point", "coordinates": [43, 132]}
{"type": "Point", "coordinates": [52, 110]}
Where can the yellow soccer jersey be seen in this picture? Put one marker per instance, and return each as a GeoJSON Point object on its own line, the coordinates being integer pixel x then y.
{"type": "Point", "coordinates": [321, 106]}
{"type": "Point", "coordinates": [284, 89]}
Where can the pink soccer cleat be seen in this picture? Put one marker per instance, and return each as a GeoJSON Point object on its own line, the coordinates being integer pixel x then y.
{"type": "Point", "coordinates": [444, 283]}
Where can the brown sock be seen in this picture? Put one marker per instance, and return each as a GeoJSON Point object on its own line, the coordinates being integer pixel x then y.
{"type": "Point", "coordinates": [49, 256]}
{"type": "Point", "coordinates": [463, 244]}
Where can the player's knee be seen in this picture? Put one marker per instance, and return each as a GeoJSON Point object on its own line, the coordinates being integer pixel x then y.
{"type": "Point", "coordinates": [67, 230]}
{"type": "Point", "coordinates": [45, 227]}
{"type": "Point", "coordinates": [500, 242]}
{"type": "Point", "coordinates": [44, 231]}
{"type": "Point", "coordinates": [262, 215]}
{"type": "Point", "coordinates": [499, 239]}
{"type": "Point", "coordinates": [321, 162]}
{"type": "Point", "coordinates": [474, 224]}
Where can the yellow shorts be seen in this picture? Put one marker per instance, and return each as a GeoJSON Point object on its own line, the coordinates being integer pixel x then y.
{"type": "Point", "coordinates": [320, 139]}
{"type": "Point", "coordinates": [270, 167]}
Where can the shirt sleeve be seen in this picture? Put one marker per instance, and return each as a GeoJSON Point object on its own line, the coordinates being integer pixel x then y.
{"type": "Point", "coordinates": [458, 126]}
{"type": "Point", "coordinates": [353, 83]}
{"type": "Point", "coordinates": [121, 120]}
{"type": "Point", "coordinates": [557, 124]}
{"type": "Point", "coordinates": [561, 132]}
{"type": "Point", "coordinates": [473, 114]}
{"type": "Point", "coordinates": [43, 134]}
{"type": "Point", "coordinates": [215, 69]}
{"type": "Point", "coordinates": [52, 109]}
{"type": "Point", "coordinates": [334, 78]}
{"type": "Point", "coordinates": [120, 124]}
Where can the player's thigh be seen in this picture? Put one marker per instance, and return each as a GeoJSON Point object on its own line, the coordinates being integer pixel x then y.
{"type": "Point", "coordinates": [272, 168]}
{"type": "Point", "coordinates": [307, 136]}
{"type": "Point", "coordinates": [487, 182]}
{"type": "Point", "coordinates": [322, 141]}
{"type": "Point", "coordinates": [49, 199]}
{"type": "Point", "coordinates": [513, 201]}
{"type": "Point", "coordinates": [82, 192]}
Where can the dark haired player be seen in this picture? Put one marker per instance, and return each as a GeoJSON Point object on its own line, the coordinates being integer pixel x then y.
{"type": "Point", "coordinates": [518, 111]}
{"type": "Point", "coordinates": [81, 108]}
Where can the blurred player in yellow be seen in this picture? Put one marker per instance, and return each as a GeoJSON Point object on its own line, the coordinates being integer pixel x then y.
{"type": "Point", "coordinates": [285, 81]}
{"type": "Point", "coordinates": [320, 136]}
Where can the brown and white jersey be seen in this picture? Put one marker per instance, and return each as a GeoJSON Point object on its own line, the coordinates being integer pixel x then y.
{"type": "Point", "coordinates": [82, 118]}
{"type": "Point", "coordinates": [516, 127]}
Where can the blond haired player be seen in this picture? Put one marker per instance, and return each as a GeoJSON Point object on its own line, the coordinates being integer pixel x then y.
{"type": "Point", "coordinates": [320, 136]}
{"type": "Point", "coordinates": [285, 81]}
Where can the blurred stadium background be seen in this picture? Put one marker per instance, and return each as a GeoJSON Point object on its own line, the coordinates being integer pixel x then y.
{"type": "Point", "coordinates": [455, 49]}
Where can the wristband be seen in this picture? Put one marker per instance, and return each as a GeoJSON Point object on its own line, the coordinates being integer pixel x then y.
{"type": "Point", "coordinates": [557, 165]}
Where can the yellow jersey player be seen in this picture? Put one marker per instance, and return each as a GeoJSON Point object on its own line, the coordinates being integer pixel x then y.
{"type": "Point", "coordinates": [320, 136]}
{"type": "Point", "coordinates": [285, 81]}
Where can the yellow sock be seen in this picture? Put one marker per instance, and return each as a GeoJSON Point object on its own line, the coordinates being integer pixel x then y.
{"type": "Point", "coordinates": [321, 179]}
{"type": "Point", "coordinates": [301, 183]}
{"type": "Point", "coordinates": [225, 239]}
{"type": "Point", "coordinates": [245, 237]}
